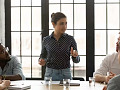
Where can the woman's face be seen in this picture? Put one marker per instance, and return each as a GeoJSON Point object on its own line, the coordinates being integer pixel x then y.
{"type": "Point", "coordinates": [60, 26]}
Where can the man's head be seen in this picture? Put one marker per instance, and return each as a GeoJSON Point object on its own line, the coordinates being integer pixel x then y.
{"type": "Point", "coordinates": [118, 43]}
{"type": "Point", "coordinates": [4, 55]}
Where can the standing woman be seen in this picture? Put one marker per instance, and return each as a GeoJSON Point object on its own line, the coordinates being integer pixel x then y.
{"type": "Point", "coordinates": [57, 48]}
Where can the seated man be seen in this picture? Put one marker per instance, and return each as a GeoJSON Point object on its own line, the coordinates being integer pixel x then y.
{"type": "Point", "coordinates": [109, 64]}
{"type": "Point", "coordinates": [10, 67]}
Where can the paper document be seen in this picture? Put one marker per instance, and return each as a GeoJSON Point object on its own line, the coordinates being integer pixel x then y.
{"type": "Point", "coordinates": [19, 87]}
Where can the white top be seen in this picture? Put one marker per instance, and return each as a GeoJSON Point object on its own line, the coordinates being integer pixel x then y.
{"type": "Point", "coordinates": [110, 63]}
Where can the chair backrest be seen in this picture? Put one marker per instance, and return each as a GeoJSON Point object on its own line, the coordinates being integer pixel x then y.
{"type": "Point", "coordinates": [78, 78]}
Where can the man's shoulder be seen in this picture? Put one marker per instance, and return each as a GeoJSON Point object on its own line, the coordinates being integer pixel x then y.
{"type": "Point", "coordinates": [112, 55]}
{"type": "Point", "coordinates": [13, 58]}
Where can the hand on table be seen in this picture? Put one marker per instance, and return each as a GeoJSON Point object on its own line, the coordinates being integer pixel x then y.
{"type": "Point", "coordinates": [6, 83]}
{"type": "Point", "coordinates": [109, 77]}
{"type": "Point", "coordinates": [105, 87]}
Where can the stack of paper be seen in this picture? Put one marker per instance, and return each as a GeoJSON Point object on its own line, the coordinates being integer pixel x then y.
{"type": "Point", "coordinates": [19, 87]}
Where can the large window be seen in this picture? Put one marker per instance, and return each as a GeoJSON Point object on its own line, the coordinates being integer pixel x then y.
{"type": "Point", "coordinates": [25, 35]}
{"type": "Point", "coordinates": [107, 26]}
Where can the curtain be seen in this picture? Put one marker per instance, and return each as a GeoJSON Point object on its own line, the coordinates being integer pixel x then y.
{"type": "Point", "coordinates": [2, 21]}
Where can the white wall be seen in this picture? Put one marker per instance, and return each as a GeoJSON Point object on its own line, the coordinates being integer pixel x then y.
{"type": "Point", "coordinates": [2, 22]}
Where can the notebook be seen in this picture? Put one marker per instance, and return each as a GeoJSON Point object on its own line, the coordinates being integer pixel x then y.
{"type": "Point", "coordinates": [72, 83]}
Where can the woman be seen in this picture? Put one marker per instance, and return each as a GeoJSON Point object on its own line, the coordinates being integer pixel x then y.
{"type": "Point", "coordinates": [57, 48]}
{"type": "Point", "coordinates": [4, 84]}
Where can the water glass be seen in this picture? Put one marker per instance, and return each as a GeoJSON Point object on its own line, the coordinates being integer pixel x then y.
{"type": "Point", "coordinates": [66, 83]}
{"type": "Point", "coordinates": [94, 78]}
{"type": "Point", "coordinates": [91, 81]}
{"type": "Point", "coordinates": [48, 80]}
{"type": "Point", "coordinates": [108, 73]}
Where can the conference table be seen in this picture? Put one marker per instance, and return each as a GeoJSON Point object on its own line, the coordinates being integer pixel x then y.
{"type": "Point", "coordinates": [40, 85]}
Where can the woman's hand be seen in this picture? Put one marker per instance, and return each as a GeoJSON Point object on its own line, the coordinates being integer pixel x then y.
{"type": "Point", "coordinates": [41, 62]}
{"type": "Point", "coordinates": [74, 53]}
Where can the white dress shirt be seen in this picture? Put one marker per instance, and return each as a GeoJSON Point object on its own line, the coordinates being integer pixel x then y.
{"type": "Point", "coordinates": [110, 63]}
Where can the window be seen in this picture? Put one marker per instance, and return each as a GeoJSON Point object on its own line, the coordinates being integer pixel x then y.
{"type": "Point", "coordinates": [26, 35]}
{"type": "Point", "coordinates": [107, 27]}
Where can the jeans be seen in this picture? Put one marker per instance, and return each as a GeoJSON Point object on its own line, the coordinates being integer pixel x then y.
{"type": "Point", "coordinates": [58, 74]}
